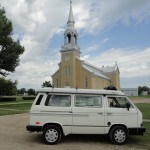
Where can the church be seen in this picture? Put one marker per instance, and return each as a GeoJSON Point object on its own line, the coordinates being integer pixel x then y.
{"type": "Point", "coordinates": [76, 73]}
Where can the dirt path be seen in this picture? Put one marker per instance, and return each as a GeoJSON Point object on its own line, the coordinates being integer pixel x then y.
{"type": "Point", "coordinates": [13, 136]}
{"type": "Point", "coordinates": [141, 100]}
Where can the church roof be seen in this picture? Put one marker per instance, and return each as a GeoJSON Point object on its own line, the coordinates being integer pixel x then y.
{"type": "Point", "coordinates": [96, 71]}
{"type": "Point", "coordinates": [109, 69]}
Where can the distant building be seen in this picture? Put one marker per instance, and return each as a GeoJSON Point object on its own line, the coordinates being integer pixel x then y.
{"type": "Point", "coordinates": [130, 91]}
{"type": "Point", "coordinates": [74, 72]}
{"type": "Point", "coordinates": [144, 93]}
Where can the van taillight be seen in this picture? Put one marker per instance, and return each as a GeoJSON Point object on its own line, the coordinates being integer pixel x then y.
{"type": "Point", "coordinates": [37, 122]}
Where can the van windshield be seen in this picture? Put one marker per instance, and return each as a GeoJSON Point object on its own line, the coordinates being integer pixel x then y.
{"type": "Point", "coordinates": [118, 102]}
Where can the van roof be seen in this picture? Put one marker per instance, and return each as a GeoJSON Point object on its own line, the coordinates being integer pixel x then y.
{"type": "Point", "coordinates": [80, 91]}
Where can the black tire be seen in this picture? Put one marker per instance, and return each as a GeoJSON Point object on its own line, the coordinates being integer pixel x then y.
{"type": "Point", "coordinates": [52, 134]}
{"type": "Point", "coordinates": [118, 135]}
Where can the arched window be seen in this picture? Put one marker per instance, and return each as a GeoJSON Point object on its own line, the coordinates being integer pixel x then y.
{"type": "Point", "coordinates": [75, 37]}
{"type": "Point", "coordinates": [67, 84]}
{"type": "Point", "coordinates": [67, 71]}
{"type": "Point", "coordinates": [86, 82]}
{"type": "Point", "coordinates": [69, 38]}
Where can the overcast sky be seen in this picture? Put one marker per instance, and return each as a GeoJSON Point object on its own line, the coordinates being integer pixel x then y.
{"type": "Point", "coordinates": [109, 31]}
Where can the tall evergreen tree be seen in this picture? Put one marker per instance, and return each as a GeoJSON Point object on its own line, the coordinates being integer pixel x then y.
{"type": "Point", "coordinates": [10, 50]}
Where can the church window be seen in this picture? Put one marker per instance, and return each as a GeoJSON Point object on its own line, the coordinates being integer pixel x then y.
{"type": "Point", "coordinates": [75, 37]}
{"type": "Point", "coordinates": [86, 82]}
{"type": "Point", "coordinates": [69, 38]}
{"type": "Point", "coordinates": [67, 84]}
{"type": "Point", "coordinates": [67, 71]}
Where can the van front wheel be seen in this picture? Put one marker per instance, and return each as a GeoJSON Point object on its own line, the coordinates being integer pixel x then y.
{"type": "Point", "coordinates": [52, 134]}
{"type": "Point", "coordinates": [118, 135]}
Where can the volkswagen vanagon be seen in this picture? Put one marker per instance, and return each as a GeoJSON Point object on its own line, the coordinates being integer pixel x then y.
{"type": "Point", "coordinates": [58, 112]}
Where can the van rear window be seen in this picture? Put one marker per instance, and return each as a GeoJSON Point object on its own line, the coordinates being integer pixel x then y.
{"type": "Point", "coordinates": [58, 100]}
{"type": "Point", "coordinates": [39, 100]}
{"type": "Point", "coordinates": [88, 101]}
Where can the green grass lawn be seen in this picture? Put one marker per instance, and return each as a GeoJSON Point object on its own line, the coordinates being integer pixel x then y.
{"type": "Point", "coordinates": [15, 107]}
{"type": "Point", "coordinates": [139, 97]}
{"type": "Point", "coordinates": [7, 109]}
{"type": "Point", "coordinates": [145, 109]}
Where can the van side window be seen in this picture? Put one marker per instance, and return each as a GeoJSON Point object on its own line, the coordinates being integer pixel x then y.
{"type": "Point", "coordinates": [88, 101]}
{"type": "Point", "coordinates": [118, 102]}
{"type": "Point", "coordinates": [58, 100]}
{"type": "Point", "coordinates": [39, 100]}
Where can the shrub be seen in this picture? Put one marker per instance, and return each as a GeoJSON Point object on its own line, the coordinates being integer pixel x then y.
{"type": "Point", "coordinates": [28, 97]}
{"type": "Point", "coordinates": [7, 99]}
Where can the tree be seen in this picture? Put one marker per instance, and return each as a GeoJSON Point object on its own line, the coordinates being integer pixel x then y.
{"type": "Point", "coordinates": [31, 92]}
{"type": "Point", "coordinates": [10, 50]}
{"type": "Point", "coordinates": [22, 91]}
{"type": "Point", "coordinates": [47, 84]}
{"type": "Point", "coordinates": [7, 87]}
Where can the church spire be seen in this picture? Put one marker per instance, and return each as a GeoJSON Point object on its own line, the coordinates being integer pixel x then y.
{"type": "Point", "coordinates": [70, 18]}
{"type": "Point", "coordinates": [70, 34]}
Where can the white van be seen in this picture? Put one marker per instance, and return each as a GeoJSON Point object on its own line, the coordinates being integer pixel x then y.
{"type": "Point", "coordinates": [60, 111]}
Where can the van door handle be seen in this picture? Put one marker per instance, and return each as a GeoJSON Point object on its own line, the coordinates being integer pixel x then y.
{"type": "Point", "coordinates": [109, 113]}
{"type": "Point", "coordinates": [99, 113]}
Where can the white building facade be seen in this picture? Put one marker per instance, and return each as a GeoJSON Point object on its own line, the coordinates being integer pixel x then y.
{"type": "Point", "coordinates": [130, 91]}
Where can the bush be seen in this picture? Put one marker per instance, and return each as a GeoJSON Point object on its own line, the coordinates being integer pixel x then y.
{"type": "Point", "coordinates": [7, 99]}
{"type": "Point", "coordinates": [28, 97]}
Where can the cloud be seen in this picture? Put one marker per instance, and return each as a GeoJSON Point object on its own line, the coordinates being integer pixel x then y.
{"type": "Point", "coordinates": [132, 63]}
{"type": "Point", "coordinates": [104, 14]}
{"type": "Point", "coordinates": [34, 71]}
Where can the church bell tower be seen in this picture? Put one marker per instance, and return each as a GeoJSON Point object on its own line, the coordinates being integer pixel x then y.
{"type": "Point", "coordinates": [70, 34]}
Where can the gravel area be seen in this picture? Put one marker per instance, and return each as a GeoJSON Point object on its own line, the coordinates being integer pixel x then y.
{"type": "Point", "coordinates": [13, 136]}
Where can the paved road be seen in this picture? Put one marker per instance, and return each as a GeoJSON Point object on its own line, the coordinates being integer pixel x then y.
{"type": "Point", "coordinates": [13, 136]}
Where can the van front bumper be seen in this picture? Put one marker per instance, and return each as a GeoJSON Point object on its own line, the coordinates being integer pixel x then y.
{"type": "Point", "coordinates": [136, 131]}
{"type": "Point", "coordinates": [32, 128]}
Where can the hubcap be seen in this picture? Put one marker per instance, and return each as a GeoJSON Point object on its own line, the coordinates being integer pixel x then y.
{"type": "Point", "coordinates": [51, 135]}
{"type": "Point", "coordinates": [120, 136]}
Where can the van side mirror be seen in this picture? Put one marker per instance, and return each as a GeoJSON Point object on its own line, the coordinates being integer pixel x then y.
{"type": "Point", "coordinates": [128, 106]}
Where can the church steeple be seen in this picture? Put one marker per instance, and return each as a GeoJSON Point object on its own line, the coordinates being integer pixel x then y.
{"type": "Point", "coordinates": [71, 18]}
{"type": "Point", "coordinates": [70, 34]}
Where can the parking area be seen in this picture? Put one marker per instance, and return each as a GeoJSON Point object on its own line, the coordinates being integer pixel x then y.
{"type": "Point", "coordinates": [13, 136]}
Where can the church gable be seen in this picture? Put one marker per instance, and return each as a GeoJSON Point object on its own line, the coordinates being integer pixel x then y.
{"type": "Point", "coordinates": [110, 69]}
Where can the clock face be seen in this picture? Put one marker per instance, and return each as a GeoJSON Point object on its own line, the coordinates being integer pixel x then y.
{"type": "Point", "coordinates": [67, 58]}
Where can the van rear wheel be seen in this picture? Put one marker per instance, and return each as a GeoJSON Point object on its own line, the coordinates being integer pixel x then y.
{"type": "Point", "coordinates": [118, 135]}
{"type": "Point", "coordinates": [52, 134]}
